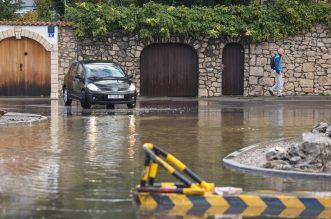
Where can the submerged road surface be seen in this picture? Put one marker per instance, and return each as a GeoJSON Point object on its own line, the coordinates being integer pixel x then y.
{"type": "Point", "coordinates": [86, 163]}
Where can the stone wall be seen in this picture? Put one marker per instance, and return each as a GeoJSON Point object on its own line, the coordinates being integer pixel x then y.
{"type": "Point", "coordinates": [307, 64]}
{"type": "Point", "coordinates": [67, 52]}
{"type": "Point", "coordinates": [307, 61]}
{"type": "Point", "coordinates": [125, 50]}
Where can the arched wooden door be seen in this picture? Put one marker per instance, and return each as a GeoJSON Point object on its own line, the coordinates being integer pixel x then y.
{"type": "Point", "coordinates": [233, 73]}
{"type": "Point", "coordinates": [24, 68]}
{"type": "Point", "coordinates": [169, 70]}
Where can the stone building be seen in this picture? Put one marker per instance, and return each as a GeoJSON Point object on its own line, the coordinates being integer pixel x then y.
{"type": "Point", "coordinates": [307, 61]}
{"type": "Point", "coordinates": [182, 66]}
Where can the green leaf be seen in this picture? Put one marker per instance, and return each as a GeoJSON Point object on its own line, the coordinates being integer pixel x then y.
{"type": "Point", "coordinates": [255, 22]}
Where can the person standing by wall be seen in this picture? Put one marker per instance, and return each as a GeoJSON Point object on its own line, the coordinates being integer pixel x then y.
{"type": "Point", "coordinates": [278, 62]}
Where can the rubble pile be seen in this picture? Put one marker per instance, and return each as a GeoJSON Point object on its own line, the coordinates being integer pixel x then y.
{"type": "Point", "coordinates": [2, 112]}
{"type": "Point", "coordinates": [312, 155]}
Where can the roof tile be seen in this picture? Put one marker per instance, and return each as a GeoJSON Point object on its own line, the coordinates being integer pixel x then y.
{"type": "Point", "coordinates": [35, 23]}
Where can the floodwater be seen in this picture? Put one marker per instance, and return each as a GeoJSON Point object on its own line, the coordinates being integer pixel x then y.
{"type": "Point", "coordinates": [86, 163]}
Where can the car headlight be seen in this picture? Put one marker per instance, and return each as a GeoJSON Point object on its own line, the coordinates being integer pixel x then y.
{"type": "Point", "coordinates": [93, 87]}
{"type": "Point", "coordinates": [132, 87]}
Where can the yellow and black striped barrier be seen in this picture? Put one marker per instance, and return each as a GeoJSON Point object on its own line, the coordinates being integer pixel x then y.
{"type": "Point", "coordinates": [245, 204]}
{"type": "Point", "coordinates": [195, 196]}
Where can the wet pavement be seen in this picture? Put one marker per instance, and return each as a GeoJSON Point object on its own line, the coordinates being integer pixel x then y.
{"type": "Point", "coordinates": [86, 163]}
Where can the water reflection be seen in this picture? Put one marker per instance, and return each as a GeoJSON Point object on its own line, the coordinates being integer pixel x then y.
{"type": "Point", "coordinates": [53, 160]}
{"type": "Point", "coordinates": [85, 163]}
{"type": "Point", "coordinates": [220, 130]}
{"type": "Point", "coordinates": [92, 137]}
{"type": "Point", "coordinates": [67, 110]}
{"type": "Point", "coordinates": [279, 115]}
{"type": "Point", "coordinates": [132, 136]}
{"type": "Point", "coordinates": [29, 165]}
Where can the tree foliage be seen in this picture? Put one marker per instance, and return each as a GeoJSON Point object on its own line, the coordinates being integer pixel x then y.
{"type": "Point", "coordinates": [58, 6]}
{"type": "Point", "coordinates": [188, 3]}
{"type": "Point", "coordinates": [30, 16]}
{"type": "Point", "coordinates": [109, 2]}
{"type": "Point", "coordinates": [254, 21]}
{"type": "Point", "coordinates": [8, 9]}
{"type": "Point", "coordinates": [196, 2]}
{"type": "Point", "coordinates": [43, 8]}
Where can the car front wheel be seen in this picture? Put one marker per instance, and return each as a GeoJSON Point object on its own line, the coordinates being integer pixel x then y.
{"type": "Point", "coordinates": [67, 100]}
{"type": "Point", "coordinates": [131, 105]}
{"type": "Point", "coordinates": [83, 100]}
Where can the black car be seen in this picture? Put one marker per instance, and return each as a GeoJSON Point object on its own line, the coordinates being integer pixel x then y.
{"type": "Point", "coordinates": [98, 82]}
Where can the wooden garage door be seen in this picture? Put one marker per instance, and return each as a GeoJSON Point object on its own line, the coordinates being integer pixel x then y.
{"type": "Point", "coordinates": [233, 73]}
{"type": "Point", "coordinates": [169, 70]}
{"type": "Point", "coordinates": [24, 68]}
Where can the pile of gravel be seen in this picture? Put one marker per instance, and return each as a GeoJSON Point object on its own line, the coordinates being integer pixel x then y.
{"type": "Point", "coordinates": [2, 112]}
{"type": "Point", "coordinates": [9, 118]}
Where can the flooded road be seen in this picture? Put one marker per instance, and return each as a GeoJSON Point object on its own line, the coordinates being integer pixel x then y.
{"type": "Point", "coordinates": [85, 164]}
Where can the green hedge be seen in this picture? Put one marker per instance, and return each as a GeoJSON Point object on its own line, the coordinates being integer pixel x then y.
{"type": "Point", "coordinates": [254, 22]}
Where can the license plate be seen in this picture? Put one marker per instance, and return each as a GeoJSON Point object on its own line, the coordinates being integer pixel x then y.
{"type": "Point", "coordinates": [113, 96]}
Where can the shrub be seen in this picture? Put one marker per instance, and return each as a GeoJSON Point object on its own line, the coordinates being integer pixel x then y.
{"type": "Point", "coordinates": [8, 9]}
{"type": "Point", "coordinates": [30, 16]}
{"type": "Point", "coordinates": [254, 21]}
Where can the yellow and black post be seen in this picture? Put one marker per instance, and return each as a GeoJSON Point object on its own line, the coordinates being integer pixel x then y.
{"type": "Point", "coordinates": [152, 173]}
{"type": "Point", "coordinates": [145, 174]}
{"type": "Point", "coordinates": [154, 153]}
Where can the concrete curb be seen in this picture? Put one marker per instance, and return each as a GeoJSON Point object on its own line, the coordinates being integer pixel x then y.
{"type": "Point", "coordinates": [229, 161]}
{"type": "Point", "coordinates": [13, 119]}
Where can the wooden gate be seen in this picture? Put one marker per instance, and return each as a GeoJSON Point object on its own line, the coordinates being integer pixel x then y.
{"type": "Point", "coordinates": [233, 73]}
{"type": "Point", "coordinates": [169, 70]}
{"type": "Point", "coordinates": [24, 68]}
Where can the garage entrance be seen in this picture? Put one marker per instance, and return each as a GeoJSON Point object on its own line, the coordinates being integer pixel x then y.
{"type": "Point", "coordinates": [24, 68]}
{"type": "Point", "coordinates": [169, 69]}
{"type": "Point", "coordinates": [233, 73]}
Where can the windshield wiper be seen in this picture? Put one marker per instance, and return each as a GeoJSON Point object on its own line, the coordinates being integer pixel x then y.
{"type": "Point", "coordinates": [94, 78]}
{"type": "Point", "coordinates": [112, 77]}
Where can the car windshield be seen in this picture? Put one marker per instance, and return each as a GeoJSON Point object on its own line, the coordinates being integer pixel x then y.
{"type": "Point", "coordinates": [99, 71]}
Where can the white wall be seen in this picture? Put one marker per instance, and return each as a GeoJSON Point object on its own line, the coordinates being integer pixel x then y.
{"type": "Point", "coordinates": [41, 30]}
